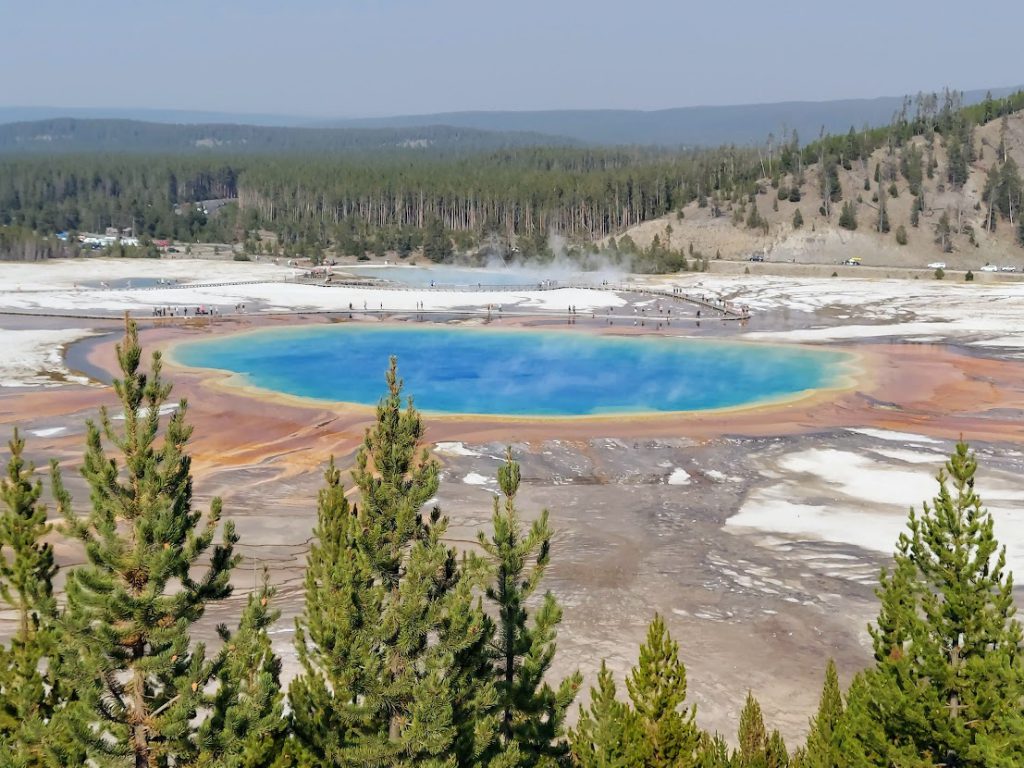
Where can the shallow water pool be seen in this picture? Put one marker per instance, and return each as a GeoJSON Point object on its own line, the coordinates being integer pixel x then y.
{"type": "Point", "coordinates": [516, 372]}
{"type": "Point", "coordinates": [464, 277]}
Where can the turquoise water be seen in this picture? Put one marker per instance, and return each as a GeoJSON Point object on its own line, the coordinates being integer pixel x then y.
{"type": "Point", "coordinates": [441, 275]}
{"type": "Point", "coordinates": [524, 373]}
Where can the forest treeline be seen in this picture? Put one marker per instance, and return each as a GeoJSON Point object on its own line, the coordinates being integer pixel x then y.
{"type": "Point", "coordinates": [63, 135]}
{"type": "Point", "coordinates": [412, 654]}
{"type": "Point", "coordinates": [503, 203]}
{"type": "Point", "coordinates": [514, 198]}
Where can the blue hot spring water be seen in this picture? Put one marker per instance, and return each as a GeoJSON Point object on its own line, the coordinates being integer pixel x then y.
{"type": "Point", "coordinates": [442, 275]}
{"type": "Point", "coordinates": [515, 372]}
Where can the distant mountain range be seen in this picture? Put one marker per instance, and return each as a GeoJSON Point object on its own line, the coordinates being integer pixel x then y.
{"type": "Point", "coordinates": [73, 135]}
{"type": "Point", "coordinates": [685, 126]}
{"type": "Point", "coordinates": [180, 116]}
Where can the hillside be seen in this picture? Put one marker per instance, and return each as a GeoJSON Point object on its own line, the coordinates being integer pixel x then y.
{"type": "Point", "coordinates": [16, 114]}
{"type": "Point", "coordinates": [71, 135]}
{"type": "Point", "coordinates": [385, 191]}
{"type": "Point", "coordinates": [684, 126]}
{"type": "Point", "coordinates": [822, 241]}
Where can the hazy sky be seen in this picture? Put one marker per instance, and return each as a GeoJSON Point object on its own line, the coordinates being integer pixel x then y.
{"type": "Point", "coordinates": [378, 57]}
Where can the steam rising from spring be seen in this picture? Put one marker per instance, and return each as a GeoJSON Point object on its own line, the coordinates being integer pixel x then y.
{"type": "Point", "coordinates": [587, 267]}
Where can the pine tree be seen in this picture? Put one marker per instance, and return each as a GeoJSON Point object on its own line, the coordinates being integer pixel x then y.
{"type": "Point", "coordinates": [890, 691]}
{"type": "Point", "coordinates": [392, 643]}
{"type": "Point", "coordinates": [753, 738]}
{"type": "Point", "coordinates": [757, 747]}
{"type": "Point", "coordinates": [437, 245]}
{"type": "Point", "coordinates": [657, 689]}
{"type": "Point", "coordinates": [776, 755]}
{"type": "Point", "coordinates": [754, 220]}
{"type": "Point", "coordinates": [829, 186]}
{"type": "Point", "coordinates": [883, 213]}
{"type": "Point", "coordinates": [944, 233]}
{"type": "Point", "coordinates": [848, 216]}
{"type": "Point", "coordinates": [958, 168]}
{"type": "Point", "coordinates": [713, 752]}
{"type": "Point", "coordinates": [246, 726]}
{"type": "Point", "coordinates": [911, 167]}
{"type": "Point", "coordinates": [532, 713]}
{"type": "Point", "coordinates": [1011, 191]}
{"type": "Point", "coordinates": [607, 734]}
{"type": "Point", "coordinates": [798, 219]}
{"type": "Point", "coordinates": [326, 632]}
{"type": "Point", "coordinates": [822, 749]}
{"type": "Point", "coordinates": [948, 678]}
{"type": "Point", "coordinates": [991, 194]}
{"type": "Point", "coordinates": [26, 586]}
{"type": "Point", "coordinates": [137, 680]}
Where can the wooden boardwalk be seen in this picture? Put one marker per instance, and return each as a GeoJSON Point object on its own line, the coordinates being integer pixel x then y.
{"type": "Point", "coordinates": [725, 310]}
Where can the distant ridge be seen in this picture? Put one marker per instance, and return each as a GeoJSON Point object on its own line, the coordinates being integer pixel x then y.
{"type": "Point", "coordinates": [15, 114]}
{"type": "Point", "coordinates": [683, 126]}
{"type": "Point", "coordinates": [73, 135]}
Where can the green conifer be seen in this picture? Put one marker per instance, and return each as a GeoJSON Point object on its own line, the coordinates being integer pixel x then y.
{"type": "Point", "coordinates": [532, 713]}
{"type": "Point", "coordinates": [822, 749]}
{"type": "Point", "coordinates": [948, 678]}
{"type": "Point", "coordinates": [861, 738]}
{"type": "Point", "coordinates": [325, 633]}
{"type": "Point", "coordinates": [848, 216]}
{"type": "Point", "coordinates": [883, 209]}
{"type": "Point", "coordinates": [137, 680]}
{"type": "Point", "coordinates": [776, 755]}
{"type": "Point", "coordinates": [392, 643]}
{"type": "Point", "coordinates": [753, 737]}
{"type": "Point", "coordinates": [757, 747]}
{"type": "Point", "coordinates": [713, 752]}
{"type": "Point", "coordinates": [26, 586]}
{"type": "Point", "coordinates": [246, 726]}
{"type": "Point", "coordinates": [608, 734]}
{"type": "Point", "coordinates": [657, 689]}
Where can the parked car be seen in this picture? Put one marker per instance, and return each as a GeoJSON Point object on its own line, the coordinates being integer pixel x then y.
{"type": "Point", "coordinates": [854, 262]}
{"type": "Point", "coordinates": [937, 265]}
{"type": "Point", "coordinates": [757, 257]}
{"type": "Point", "coordinates": [990, 268]}
{"type": "Point", "coordinates": [1008, 268]}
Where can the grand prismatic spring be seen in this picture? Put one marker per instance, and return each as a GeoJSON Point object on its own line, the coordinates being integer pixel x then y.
{"type": "Point", "coordinates": [520, 373]}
